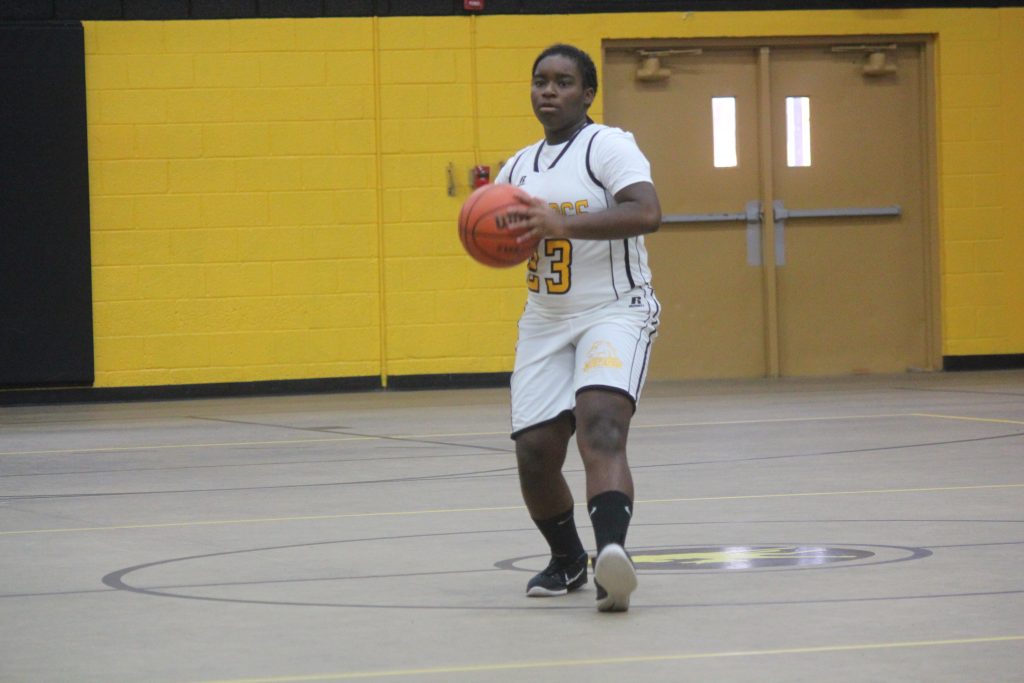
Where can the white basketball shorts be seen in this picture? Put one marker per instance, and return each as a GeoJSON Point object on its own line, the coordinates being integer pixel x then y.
{"type": "Point", "coordinates": [557, 356]}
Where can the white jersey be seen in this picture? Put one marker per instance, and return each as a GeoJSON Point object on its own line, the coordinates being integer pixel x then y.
{"type": "Point", "coordinates": [582, 176]}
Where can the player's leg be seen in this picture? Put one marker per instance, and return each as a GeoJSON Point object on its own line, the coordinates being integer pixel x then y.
{"type": "Point", "coordinates": [540, 454]}
{"type": "Point", "coordinates": [542, 423]}
{"type": "Point", "coordinates": [603, 424]}
{"type": "Point", "coordinates": [611, 367]}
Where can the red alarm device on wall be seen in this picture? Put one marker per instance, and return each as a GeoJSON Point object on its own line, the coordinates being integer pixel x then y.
{"type": "Point", "coordinates": [473, 5]}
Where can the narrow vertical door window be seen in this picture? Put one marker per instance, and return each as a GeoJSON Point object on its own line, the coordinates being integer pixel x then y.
{"type": "Point", "coordinates": [798, 131]}
{"type": "Point", "coordinates": [723, 120]}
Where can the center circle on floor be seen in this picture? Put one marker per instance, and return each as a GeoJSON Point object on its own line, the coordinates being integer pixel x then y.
{"type": "Point", "coordinates": [739, 557]}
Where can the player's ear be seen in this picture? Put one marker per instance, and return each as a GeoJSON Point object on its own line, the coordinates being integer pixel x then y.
{"type": "Point", "coordinates": [588, 96]}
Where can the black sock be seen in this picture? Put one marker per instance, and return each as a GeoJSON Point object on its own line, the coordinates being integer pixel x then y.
{"type": "Point", "coordinates": [560, 533]}
{"type": "Point", "coordinates": [610, 513]}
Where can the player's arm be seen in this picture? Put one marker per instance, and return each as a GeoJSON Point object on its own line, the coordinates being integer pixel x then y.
{"type": "Point", "coordinates": [637, 212]}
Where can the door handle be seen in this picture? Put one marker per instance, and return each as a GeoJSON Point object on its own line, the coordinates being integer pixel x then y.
{"type": "Point", "coordinates": [703, 217]}
{"type": "Point", "coordinates": [752, 215]}
{"type": "Point", "coordinates": [781, 214]}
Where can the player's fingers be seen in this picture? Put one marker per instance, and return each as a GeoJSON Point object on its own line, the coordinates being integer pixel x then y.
{"type": "Point", "coordinates": [527, 236]}
{"type": "Point", "coordinates": [518, 214]}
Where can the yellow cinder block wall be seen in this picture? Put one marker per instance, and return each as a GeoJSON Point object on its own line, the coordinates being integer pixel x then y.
{"type": "Point", "coordinates": [269, 197]}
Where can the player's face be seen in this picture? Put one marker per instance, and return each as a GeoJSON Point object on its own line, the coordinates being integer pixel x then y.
{"type": "Point", "coordinates": [559, 99]}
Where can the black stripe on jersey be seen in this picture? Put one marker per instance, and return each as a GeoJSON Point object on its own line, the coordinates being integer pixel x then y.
{"type": "Point", "coordinates": [643, 366]}
{"type": "Point", "coordinates": [611, 268]}
{"type": "Point", "coordinates": [644, 276]}
{"type": "Point", "coordinates": [512, 170]}
{"type": "Point", "coordinates": [629, 272]}
{"type": "Point", "coordinates": [536, 158]}
{"type": "Point", "coordinates": [590, 171]}
{"type": "Point", "coordinates": [653, 319]}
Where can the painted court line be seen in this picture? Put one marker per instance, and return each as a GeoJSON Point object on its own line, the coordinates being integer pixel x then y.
{"type": "Point", "coordinates": [969, 419]}
{"type": "Point", "coordinates": [346, 438]}
{"type": "Point", "coordinates": [605, 661]}
{"type": "Point", "coordinates": [439, 511]}
{"type": "Point", "coordinates": [773, 420]}
{"type": "Point", "coordinates": [169, 446]}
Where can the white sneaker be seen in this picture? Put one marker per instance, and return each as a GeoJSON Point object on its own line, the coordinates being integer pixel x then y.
{"type": "Point", "coordinates": [615, 578]}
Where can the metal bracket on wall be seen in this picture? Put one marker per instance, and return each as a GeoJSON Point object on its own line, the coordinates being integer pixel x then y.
{"type": "Point", "coordinates": [782, 213]}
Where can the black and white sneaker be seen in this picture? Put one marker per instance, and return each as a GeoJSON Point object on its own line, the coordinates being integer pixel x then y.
{"type": "Point", "coordinates": [560, 577]}
{"type": "Point", "coordinates": [615, 578]}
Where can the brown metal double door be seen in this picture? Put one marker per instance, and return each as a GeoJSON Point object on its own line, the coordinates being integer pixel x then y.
{"type": "Point", "coordinates": [766, 268]}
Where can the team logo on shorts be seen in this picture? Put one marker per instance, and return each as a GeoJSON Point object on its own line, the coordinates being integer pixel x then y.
{"type": "Point", "coordinates": [602, 355]}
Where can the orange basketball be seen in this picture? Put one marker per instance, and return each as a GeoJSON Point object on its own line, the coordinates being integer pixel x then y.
{"type": "Point", "coordinates": [486, 231]}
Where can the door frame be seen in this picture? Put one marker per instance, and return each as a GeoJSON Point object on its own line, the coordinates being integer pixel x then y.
{"type": "Point", "coordinates": [928, 183]}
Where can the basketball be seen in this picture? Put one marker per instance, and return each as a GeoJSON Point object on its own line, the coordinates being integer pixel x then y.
{"type": "Point", "coordinates": [487, 233]}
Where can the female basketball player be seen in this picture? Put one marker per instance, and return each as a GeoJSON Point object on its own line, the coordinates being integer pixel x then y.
{"type": "Point", "coordinates": [585, 335]}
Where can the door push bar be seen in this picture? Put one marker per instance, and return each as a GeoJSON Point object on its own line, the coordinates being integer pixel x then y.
{"type": "Point", "coordinates": [754, 217]}
{"type": "Point", "coordinates": [782, 213]}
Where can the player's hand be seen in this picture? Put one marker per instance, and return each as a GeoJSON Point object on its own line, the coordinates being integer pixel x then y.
{"type": "Point", "coordinates": [537, 221]}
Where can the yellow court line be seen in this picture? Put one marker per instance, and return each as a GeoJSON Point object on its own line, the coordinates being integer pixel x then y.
{"type": "Point", "coordinates": [836, 493]}
{"type": "Point", "coordinates": [772, 420]}
{"type": "Point", "coordinates": [603, 661]}
{"type": "Point", "coordinates": [262, 520]}
{"type": "Point", "coordinates": [438, 511]}
{"type": "Point", "coordinates": [970, 419]}
{"type": "Point", "coordinates": [163, 447]}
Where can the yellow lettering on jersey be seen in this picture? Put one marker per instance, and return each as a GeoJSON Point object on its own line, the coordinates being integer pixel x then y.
{"type": "Point", "coordinates": [561, 252]}
{"type": "Point", "coordinates": [532, 281]}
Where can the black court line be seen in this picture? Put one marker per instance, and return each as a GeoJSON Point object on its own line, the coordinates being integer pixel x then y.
{"type": "Point", "coordinates": [382, 437]}
{"type": "Point", "coordinates": [116, 579]}
{"type": "Point", "coordinates": [524, 530]}
{"type": "Point", "coordinates": [362, 482]}
{"type": "Point", "coordinates": [264, 463]}
{"type": "Point", "coordinates": [959, 391]}
{"type": "Point", "coordinates": [505, 472]}
{"type": "Point", "coordinates": [850, 451]}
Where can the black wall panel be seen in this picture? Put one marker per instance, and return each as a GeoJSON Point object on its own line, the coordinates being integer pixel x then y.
{"type": "Point", "coordinates": [45, 271]}
{"type": "Point", "coordinates": [88, 9]}
{"type": "Point", "coordinates": [155, 9]}
{"type": "Point", "coordinates": [244, 9]}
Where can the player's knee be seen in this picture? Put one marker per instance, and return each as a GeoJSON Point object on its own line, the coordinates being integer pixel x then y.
{"type": "Point", "coordinates": [601, 435]}
{"type": "Point", "coordinates": [535, 456]}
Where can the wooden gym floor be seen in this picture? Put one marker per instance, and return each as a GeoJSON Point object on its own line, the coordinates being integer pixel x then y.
{"type": "Point", "coordinates": [857, 529]}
